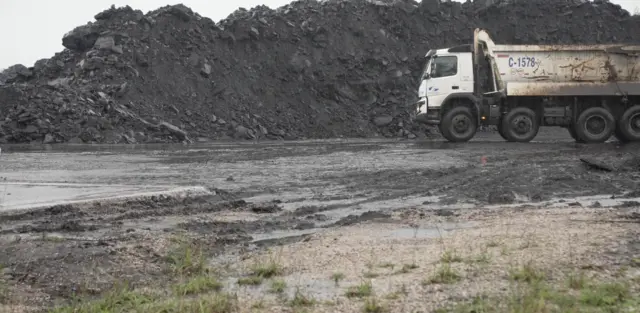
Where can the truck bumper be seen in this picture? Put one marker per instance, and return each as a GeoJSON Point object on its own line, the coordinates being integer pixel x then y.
{"type": "Point", "coordinates": [426, 115]}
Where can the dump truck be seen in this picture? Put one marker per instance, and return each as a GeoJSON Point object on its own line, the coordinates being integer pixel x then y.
{"type": "Point", "coordinates": [591, 90]}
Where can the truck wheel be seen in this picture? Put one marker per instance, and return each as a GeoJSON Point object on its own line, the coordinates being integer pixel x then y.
{"type": "Point", "coordinates": [572, 132]}
{"type": "Point", "coordinates": [501, 131]}
{"type": "Point", "coordinates": [458, 125]}
{"type": "Point", "coordinates": [629, 125]}
{"type": "Point", "coordinates": [520, 125]}
{"type": "Point", "coordinates": [595, 125]}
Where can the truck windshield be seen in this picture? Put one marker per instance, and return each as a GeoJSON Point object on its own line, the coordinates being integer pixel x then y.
{"type": "Point", "coordinates": [444, 66]}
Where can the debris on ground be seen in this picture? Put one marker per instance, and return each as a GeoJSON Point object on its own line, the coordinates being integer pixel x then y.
{"type": "Point", "coordinates": [331, 68]}
{"type": "Point", "coordinates": [597, 164]}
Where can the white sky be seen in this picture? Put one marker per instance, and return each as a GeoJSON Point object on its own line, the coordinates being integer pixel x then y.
{"type": "Point", "coordinates": [33, 29]}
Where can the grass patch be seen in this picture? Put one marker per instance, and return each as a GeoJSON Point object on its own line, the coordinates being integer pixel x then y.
{"type": "Point", "coordinates": [278, 286]}
{"type": "Point", "coordinates": [577, 281]}
{"type": "Point", "coordinates": [187, 259]}
{"type": "Point", "coordinates": [267, 270]}
{"type": "Point", "coordinates": [360, 291]}
{"type": "Point", "coordinates": [450, 257]}
{"type": "Point", "coordinates": [444, 275]}
{"type": "Point", "coordinates": [337, 277]}
{"type": "Point", "coordinates": [370, 275]}
{"type": "Point", "coordinates": [540, 297]}
{"type": "Point", "coordinates": [371, 305]}
{"type": "Point", "coordinates": [406, 268]}
{"type": "Point", "coordinates": [483, 258]}
{"type": "Point", "coordinates": [607, 295]}
{"type": "Point", "coordinates": [250, 281]}
{"type": "Point", "coordinates": [197, 285]}
{"type": "Point", "coordinates": [258, 305]}
{"type": "Point", "coordinates": [527, 273]}
{"type": "Point", "coordinates": [119, 299]}
{"type": "Point", "coordinates": [301, 300]}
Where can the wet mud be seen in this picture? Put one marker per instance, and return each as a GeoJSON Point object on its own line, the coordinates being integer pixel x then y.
{"type": "Point", "coordinates": [280, 194]}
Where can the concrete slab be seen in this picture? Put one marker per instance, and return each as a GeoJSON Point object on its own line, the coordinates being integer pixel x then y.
{"type": "Point", "coordinates": [21, 196]}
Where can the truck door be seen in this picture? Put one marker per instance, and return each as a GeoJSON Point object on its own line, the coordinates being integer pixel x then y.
{"type": "Point", "coordinates": [443, 79]}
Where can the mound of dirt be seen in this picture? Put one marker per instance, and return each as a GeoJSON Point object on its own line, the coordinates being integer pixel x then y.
{"type": "Point", "coordinates": [306, 70]}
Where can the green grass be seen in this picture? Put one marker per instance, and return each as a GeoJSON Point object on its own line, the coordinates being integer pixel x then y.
{"type": "Point", "coordinates": [250, 281]}
{"type": "Point", "coordinates": [301, 300]}
{"type": "Point", "coordinates": [527, 273]}
{"type": "Point", "coordinates": [197, 285]}
{"type": "Point", "coordinates": [337, 277]}
{"type": "Point", "coordinates": [187, 259]}
{"type": "Point", "coordinates": [371, 305]}
{"type": "Point", "coordinates": [444, 275]}
{"type": "Point", "coordinates": [360, 291]}
{"type": "Point", "coordinates": [124, 300]}
{"type": "Point", "coordinates": [117, 300]}
{"type": "Point", "coordinates": [267, 270]}
{"type": "Point", "coordinates": [370, 275]}
{"type": "Point", "coordinates": [539, 297]}
{"type": "Point", "coordinates": [450, 257]}
{"type": "Point", "coordinates": [278, 286]}
{"type": "Point", "coordinates": [576, 281]}
{"type": "Point", "coordinates": [482, 258]}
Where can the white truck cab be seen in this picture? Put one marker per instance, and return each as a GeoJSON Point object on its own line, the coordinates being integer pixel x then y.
{"type": "Point", "coordinates": [446, 72]}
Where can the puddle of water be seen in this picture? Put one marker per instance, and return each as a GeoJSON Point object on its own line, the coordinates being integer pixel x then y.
{"type": "Point", "coordinates": [22, 196]}
{"type": "Point", "coordinates": [282, 234]}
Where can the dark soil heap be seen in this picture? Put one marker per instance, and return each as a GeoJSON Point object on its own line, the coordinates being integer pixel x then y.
{"type": "Point", "coordinates": [307, 70]}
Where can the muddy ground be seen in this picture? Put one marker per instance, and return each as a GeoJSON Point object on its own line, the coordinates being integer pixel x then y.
{"type": "Point", "coordinates": [326, 210]}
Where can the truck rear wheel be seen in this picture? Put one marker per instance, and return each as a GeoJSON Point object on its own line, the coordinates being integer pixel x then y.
{"type": "Point", "coordinates": [628, 129]}
{"type": "Point", "coordinates": [458, 125]}
{"type": "Point", "coordinates": [595, 125]}
{"type": "Point", "coordinates": [520, 125]}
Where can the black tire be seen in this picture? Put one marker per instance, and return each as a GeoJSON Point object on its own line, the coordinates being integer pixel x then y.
{"type": "Point", "coordinates": [628, 129]}
{"type": "Point", "coordinates": [572, 133]}
{"type": "Point", "coordinates": [458, 125]}
{"type": "Point", "coordinates": [520, 125]}
{"type": "Point", "coordinates": [619, 136]}
{"type": "Point", "coordinates": [595, 125]}
{"type": "Point", "coordinates": [500, 130]}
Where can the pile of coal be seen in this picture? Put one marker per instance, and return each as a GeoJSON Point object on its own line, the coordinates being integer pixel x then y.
{"type": "Point", "coordinates": [309, 69]}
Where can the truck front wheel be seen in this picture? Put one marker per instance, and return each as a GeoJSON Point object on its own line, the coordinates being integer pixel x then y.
{"type": "Point", "coordinates": [595, 125]}
{"type": "Point", "coordinates": [629, 126]}
{"type": "Point", "coordinates": [458, 125]}
{"type": "Point", "coordinates": [520, 125]}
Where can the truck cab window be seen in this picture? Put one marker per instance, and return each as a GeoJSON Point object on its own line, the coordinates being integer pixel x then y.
{"type": "Point", "coordinates": [444, 66]}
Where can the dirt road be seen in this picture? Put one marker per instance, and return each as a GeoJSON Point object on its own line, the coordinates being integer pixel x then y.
{"type": "Point", "coordinates": [229, 202]}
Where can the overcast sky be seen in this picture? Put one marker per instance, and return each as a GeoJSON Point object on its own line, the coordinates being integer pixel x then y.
{"type": "Point", "coordinates": [33, 29]}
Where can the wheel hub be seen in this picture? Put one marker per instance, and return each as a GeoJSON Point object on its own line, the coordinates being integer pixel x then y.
{"type": "Point", "coordinates": [461, 124]}
{"type": "Point", "coordinates": [595, 125]}
{"type": "Point", "coordinates": [522, 125]}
